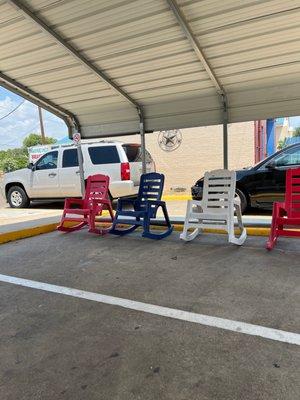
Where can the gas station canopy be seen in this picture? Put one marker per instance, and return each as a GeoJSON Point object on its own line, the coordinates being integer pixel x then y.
{"type": "Point", "coordinates": [106, 66]}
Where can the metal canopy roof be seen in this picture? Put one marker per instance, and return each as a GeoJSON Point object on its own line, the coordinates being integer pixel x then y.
{"type": "Point", "coordinates": [97, 62]}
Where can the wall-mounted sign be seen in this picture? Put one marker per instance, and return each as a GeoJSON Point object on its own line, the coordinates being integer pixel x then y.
{"type": "Point", "coordinates": [169, 140]}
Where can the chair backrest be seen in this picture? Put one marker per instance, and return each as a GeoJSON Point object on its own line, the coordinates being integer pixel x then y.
{"type": "Point", "coordinates": [292, 193]}
{"type": "Point", "coordinates": [219, 191]}
{"type": "Point", "coordinates": [96, 188]}
{"type": "Point", "coordinates": [151, 188]}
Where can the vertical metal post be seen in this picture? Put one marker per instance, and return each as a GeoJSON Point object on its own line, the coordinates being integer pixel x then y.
{"type": "Point", "coordinates": [225, 132]}
{"type": "Point", "coordinates": [77, 141]}
{"type": "Point", "coordinates": [81, 170]}
{"type": "Point", "coordinates": [143, 141]}
{"type": "Point", "coordinates": [42, 125]}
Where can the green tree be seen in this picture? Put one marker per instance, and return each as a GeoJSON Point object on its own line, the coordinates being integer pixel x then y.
{"type": "Point", "coordinates": [281, 144]}
{"type": "Point", "coordinates": [35, 139]}
{"type": "Point", "coordinates": [297, 131]}
{"type": "Point", "coordinates": [13, 159]}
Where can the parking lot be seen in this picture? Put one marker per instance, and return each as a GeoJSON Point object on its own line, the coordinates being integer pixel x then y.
{"type": "Point", "coordinates": [92, 343]}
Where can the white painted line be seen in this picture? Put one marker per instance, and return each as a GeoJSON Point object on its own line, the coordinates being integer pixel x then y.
{"type": "Point", "coordinates": [227, 324]}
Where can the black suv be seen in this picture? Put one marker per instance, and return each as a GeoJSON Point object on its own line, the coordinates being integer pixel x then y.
{"type": "Point", "coordinates": [261, 185]}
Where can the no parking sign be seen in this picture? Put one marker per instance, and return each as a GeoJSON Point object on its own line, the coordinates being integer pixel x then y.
{"type": "Point", "coordinates": [76, 138]}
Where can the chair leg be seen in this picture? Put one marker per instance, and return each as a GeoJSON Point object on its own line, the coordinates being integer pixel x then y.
{"type": "Point", "coordinates": [120, 232]}
{"type": "Point", "coordinates": [68, 229]}
{"type": "Point", "coordinates": [185, 235]}
{"type": "Point", "coordinates": [63, 228]}
{"type": "Point", "coordinates": [157, 236]}
{"type": "Point", "coordinates": [231, 235]}
{"type": "Point", "coordinates": [273, 232]}
{"type": "Point", "coordinates": [101, 231]}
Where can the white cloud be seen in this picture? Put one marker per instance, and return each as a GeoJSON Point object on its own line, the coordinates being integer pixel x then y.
{"type": "Point", "coordinates": [15, 127]}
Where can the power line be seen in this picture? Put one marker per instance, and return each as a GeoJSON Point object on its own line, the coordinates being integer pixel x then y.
{"type": "Point", "coordinates": [12, 111]}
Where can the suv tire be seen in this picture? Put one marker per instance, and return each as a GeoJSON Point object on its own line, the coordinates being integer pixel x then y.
{"type": "Point", "coordinates": [17, 197]}
{"type": "Point", "coordinates": [243, 198]}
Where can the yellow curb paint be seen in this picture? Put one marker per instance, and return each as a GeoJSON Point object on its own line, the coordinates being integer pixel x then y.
{"type": "Point", "coordinates": [251, 231]}
{"type": "Point", "coordinates": [38, 230]}
{"type": "Point", "coordinates": [177, 197]}
{"type": "Point", "coordinates": [25, 233]}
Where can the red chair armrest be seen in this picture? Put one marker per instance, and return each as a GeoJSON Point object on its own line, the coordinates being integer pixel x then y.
{"type": "Point", "coordinates": [71, 201]}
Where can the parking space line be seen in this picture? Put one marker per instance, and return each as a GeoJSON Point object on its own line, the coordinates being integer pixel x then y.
{"type": "Point", "coordinates": [216, 322]}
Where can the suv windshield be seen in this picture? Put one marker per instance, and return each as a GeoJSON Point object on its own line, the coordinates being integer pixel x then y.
{"type": "Point", "coordinates": [134, 154]}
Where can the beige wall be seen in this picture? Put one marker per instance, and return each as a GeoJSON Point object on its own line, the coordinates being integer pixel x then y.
{"type": "Point", "coordinates": [200, 150]}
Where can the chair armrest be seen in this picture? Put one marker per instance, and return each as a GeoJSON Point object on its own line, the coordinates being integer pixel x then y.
{"type": "Point", "coordinates": [237, 201]}
{"type": "Point", "coordinates": [196, 202]}
{"type": "Point", "coordinates": [73, 200]}
{"type": "Point", "coordinates": [156, 202]}
{"type": "Point", "coordinates": [125, 200]}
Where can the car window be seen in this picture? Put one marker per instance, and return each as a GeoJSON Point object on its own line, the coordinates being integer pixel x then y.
{"type": "Point", "coordinates": [70, 158]}
{"type": "Point", "coordinates": [134, 154]}
{"type": "Point", "coordinates": [48, 161]}
{"type": "Point", "coordinates": [104, 155]}
{"type": "Point", "coordinates": [288, 157]}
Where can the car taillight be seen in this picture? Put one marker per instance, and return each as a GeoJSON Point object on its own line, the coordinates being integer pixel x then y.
{"type": "Point", "coordinates": [125, 171]}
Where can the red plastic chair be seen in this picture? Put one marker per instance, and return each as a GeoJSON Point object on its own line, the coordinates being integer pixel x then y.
{"type": "Point", "coordinates": [95, 201]}
{"type": "Point", "coordinates": [286, 214]}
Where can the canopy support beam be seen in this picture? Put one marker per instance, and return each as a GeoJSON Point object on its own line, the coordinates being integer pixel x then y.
{"type": "Point", "coordinates": [201, 56]}
{"type": "Point", "coordinates": [27, 13]}
{"type": "Point", "coordinates": [39, 100]}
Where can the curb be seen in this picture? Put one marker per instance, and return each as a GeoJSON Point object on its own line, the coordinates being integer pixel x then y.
{"type": "Point", "coordinates": [27, 232]}
{"type": "Point", "coordinates": [39, 230]}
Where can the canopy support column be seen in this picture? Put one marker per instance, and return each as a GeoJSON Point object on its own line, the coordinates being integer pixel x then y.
{"type": "Point", "coordinates": [143, 141]}
{"type": "Point", "coordinates": [225, 132]}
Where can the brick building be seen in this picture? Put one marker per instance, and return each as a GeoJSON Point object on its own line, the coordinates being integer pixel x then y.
{"type": "Point", "coordinates": [201, 150]}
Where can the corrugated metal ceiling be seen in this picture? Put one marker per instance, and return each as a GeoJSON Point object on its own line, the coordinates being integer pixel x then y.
{"type": "Point", "coordinates": [253, 48]}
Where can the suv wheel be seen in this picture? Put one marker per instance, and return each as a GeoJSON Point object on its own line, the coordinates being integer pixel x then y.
{"type": "Point", "coordinates": [243, 198]}
{"type": "Point", "coordinates": [17, 197]}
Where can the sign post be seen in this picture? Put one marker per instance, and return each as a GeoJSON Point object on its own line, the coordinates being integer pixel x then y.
{"type": "Point", "coordinates": [77, 142]}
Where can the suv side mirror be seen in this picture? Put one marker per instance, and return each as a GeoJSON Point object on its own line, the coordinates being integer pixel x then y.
{"type": "Point", "coordinates": [31, 166]}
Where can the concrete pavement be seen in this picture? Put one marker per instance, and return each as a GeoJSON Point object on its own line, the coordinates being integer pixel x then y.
{"type": "Point", "coordinates": [58, 347]}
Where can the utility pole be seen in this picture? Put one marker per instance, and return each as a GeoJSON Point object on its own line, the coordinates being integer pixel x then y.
{"type": "Point", "coordinates": [42, 125]}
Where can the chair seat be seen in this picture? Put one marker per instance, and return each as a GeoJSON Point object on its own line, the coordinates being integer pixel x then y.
{"type": "Point", "coordinates": [288, 221]}
{"type": "Point", "coordinates": [80, 211]}
{"type": "Point", "coordinates": [209, 216]}
{"type": "Point", "coordinates": [132, 213]}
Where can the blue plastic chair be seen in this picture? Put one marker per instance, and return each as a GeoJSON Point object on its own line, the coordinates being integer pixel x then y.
{"type": "Point", "coordinates": [144, 208]}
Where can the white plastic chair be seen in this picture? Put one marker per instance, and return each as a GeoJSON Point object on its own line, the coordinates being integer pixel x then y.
{"type": "Point", "coordinates": [216, 209]}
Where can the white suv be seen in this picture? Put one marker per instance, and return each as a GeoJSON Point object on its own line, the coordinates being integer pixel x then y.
{"type": "Point", "coordinates": [56, 174]}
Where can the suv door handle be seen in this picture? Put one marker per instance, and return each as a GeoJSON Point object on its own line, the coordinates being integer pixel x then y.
{"type": "Point", "coordinates": [77, 172]}
{"type": "Point", "coordinates": [52, 175]}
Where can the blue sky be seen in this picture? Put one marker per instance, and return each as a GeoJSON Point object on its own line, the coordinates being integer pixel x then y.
{"type": "Point", "coordinates": [15, 127]}
{"type": "Point", "coordinates": [25, 120]}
